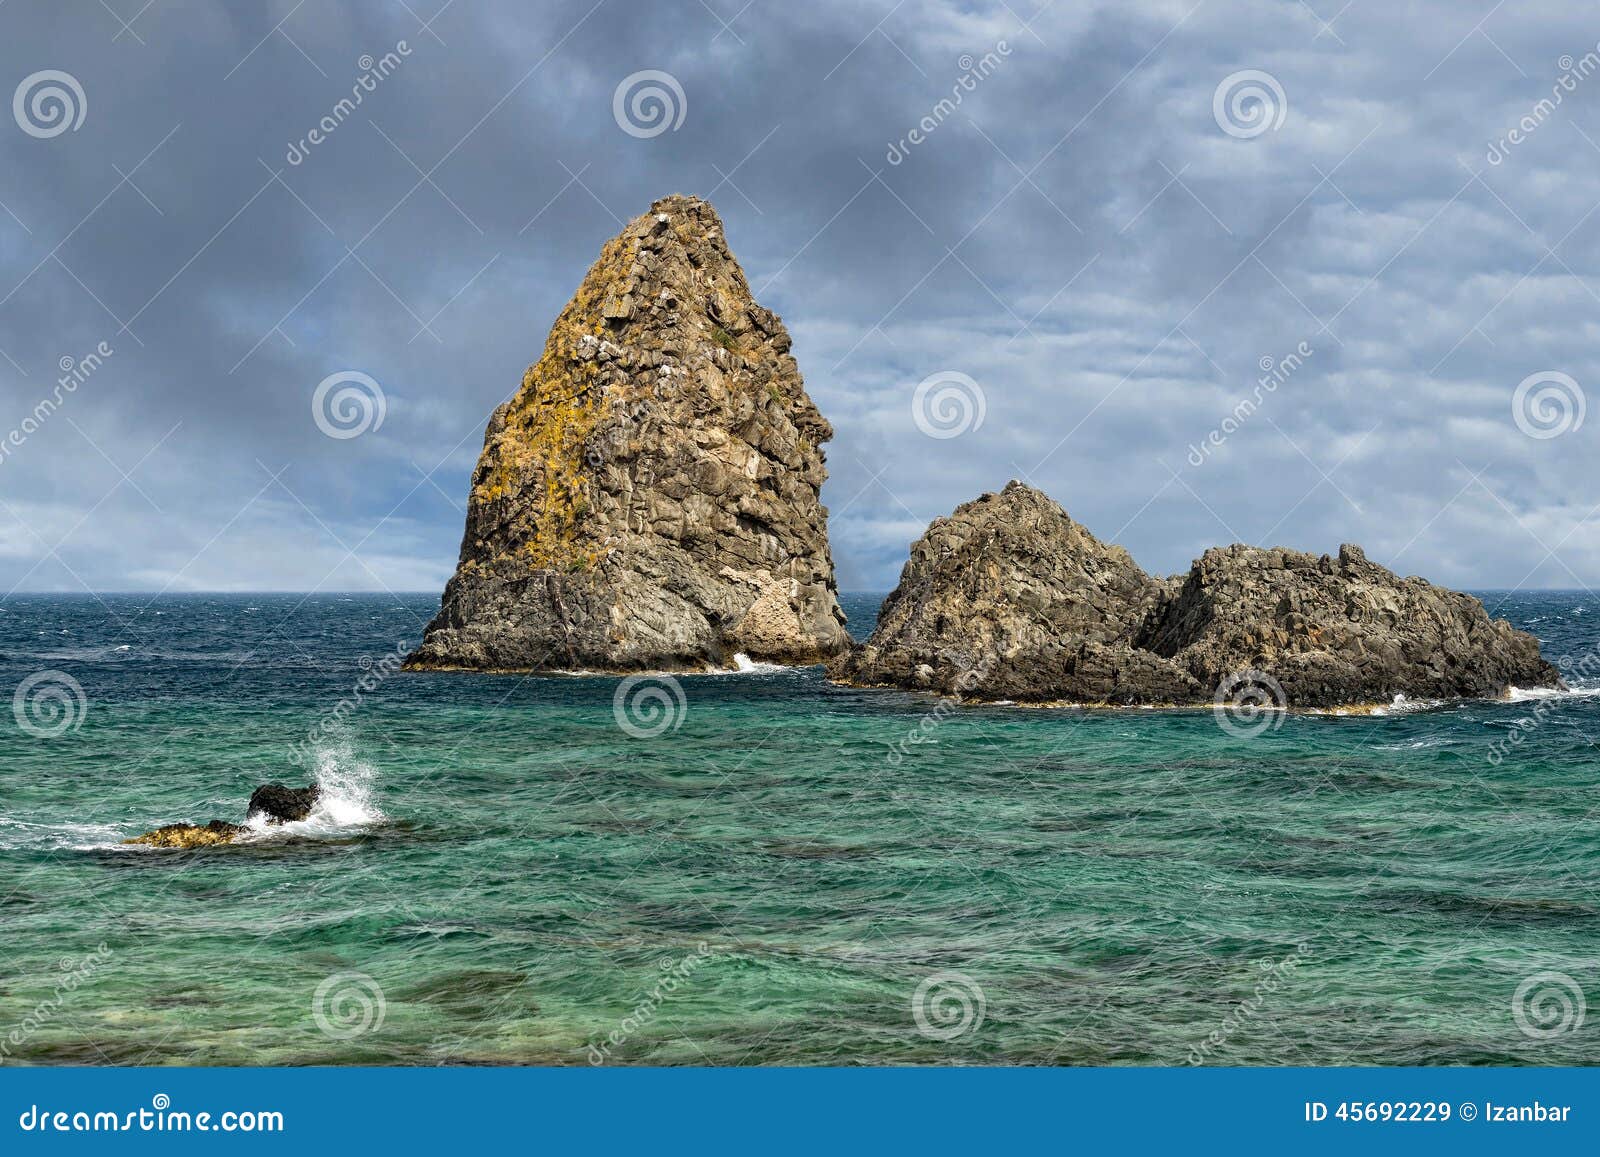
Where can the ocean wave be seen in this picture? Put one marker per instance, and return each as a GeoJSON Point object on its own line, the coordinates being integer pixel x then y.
{"type": "Point", "coordinates": [1404, 706]}
{"type": "Point", "coordinates": [1417, 744]}
{"type": "Point", "coordinates": [1400, 705]}
{"type": "Point", "coordinates": [744, 665]}
{"type": "Point", "coordinates": [1520, 695]}
{"type": "Point", "coordinates": [22, 836]}
{"type": "Point", "coordinates": [347, 805]}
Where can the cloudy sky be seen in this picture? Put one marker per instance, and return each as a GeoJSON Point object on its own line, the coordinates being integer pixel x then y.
{"type": "Point", "coordinates": [1133, 207]}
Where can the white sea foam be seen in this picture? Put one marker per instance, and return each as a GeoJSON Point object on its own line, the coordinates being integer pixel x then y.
{"type": "Point", "coordinates": [19, 835]}
{"type": "Point", "coordinates": [1404, 706]}
{"type": "Point", "coordinates": [348, 803]}
{"type": "Point", "coordinates": [1416, 744]}
{"type": "Point", "coordinates": [1519, 695]}
{"type": "Point", "coordinates": [744, 665]}
{"type": "Point", "coordinates": [1400, 705]}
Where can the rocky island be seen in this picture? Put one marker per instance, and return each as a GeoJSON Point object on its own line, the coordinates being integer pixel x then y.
{"type": "Point", "coordinates": [1009, 599]}
{"type": "Point", "coordinates": [274, 802]}
{"type": "Point", "coordinates": [649, 498]}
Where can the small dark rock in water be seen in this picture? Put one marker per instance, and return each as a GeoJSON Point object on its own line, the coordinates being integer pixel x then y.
{"type": "Point", "coordinates": [278, 803]}
{"type": "Point", "coordinates": [283, 804]}
{"type": "Point", "coordinates": [189, 835]}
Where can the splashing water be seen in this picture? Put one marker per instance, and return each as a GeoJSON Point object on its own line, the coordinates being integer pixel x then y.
{"type": "Point", "coordinates": [348, 801]}
{"type": "Point", "coordinates": [744, 665]}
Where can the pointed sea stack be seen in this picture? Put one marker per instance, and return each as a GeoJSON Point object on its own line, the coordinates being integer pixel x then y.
{"type": "Point", "coordinates": [1008, 598]}
{"type": "Point", "coordinates": [649, 499]}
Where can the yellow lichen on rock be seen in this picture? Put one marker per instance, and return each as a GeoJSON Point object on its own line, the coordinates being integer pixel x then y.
{"type": "Point", "coordinates": [189, 835]}
{"type": "Point", "coordinates": [663, 436]}
{"type": "Point", "coordinates": [539, 452]}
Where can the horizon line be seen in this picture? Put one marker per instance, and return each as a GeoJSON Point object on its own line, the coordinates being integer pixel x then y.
{"type": "Point", "coordinates": [438, 592]}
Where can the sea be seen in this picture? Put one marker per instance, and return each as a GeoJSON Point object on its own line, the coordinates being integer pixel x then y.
{"type": "Point", "coordinates": [760, 868]}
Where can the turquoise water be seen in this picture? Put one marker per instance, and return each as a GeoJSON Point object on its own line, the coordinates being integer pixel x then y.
{"type": "Point", "coordinates": [504, 874]}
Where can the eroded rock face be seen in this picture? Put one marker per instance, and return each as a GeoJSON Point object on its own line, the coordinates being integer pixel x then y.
{"type": "Point", "coordinates": [1008, 598]}
{"type": "Point", "coordinates": [649, 499]}
{"type": "Point", "coordinates": [1339, 631]}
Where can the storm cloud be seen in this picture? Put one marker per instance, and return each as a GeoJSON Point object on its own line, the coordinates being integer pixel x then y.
{"type": "Point", "coordinates": [1284, 273]}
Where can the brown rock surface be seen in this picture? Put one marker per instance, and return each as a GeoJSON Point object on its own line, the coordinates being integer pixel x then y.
{"type": "Point", "coordinates": [189, 835]}
{"type": "Point", "coordinates": [649, 499]}
{"type": "Point", "coordinates": [1008, 598]}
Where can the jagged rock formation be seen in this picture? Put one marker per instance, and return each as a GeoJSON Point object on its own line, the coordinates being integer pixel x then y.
{"type": "Point", "coordinates": [1008, 598]}
{"type": "Point", "coordinates": [649, 499]}
{"type": "Point", "coordinates": [1338, 631]}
